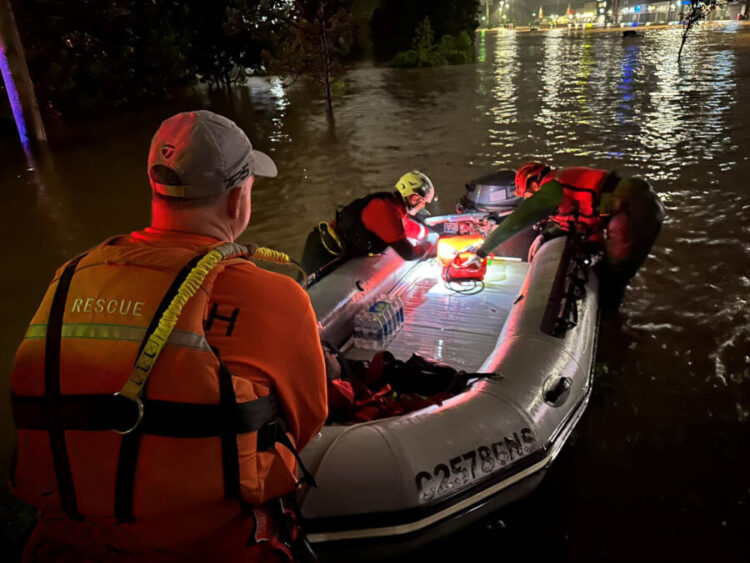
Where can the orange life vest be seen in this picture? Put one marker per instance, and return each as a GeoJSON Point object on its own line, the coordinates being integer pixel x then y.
{"type": "Point", "coordinates": [195, 456]}
{"type": "Point", "coordinates": [581, 189]}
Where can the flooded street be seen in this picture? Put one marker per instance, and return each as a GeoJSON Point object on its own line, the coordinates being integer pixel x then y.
{"type": "Point", "coordinates": [659, 466]}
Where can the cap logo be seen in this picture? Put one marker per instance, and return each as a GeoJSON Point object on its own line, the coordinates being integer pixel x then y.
{"type": "Point", "coordinates": [167, 151]}
{"type": "Point", "coordinates": [235, 179]}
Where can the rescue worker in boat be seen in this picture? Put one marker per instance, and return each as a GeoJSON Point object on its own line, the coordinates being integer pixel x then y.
{"type": "Point", "coordinates": [621, 216]}
{"type": "Point", "coordinates": [370, 224]}
{"type": "Point", "coordinates": [186, 460]}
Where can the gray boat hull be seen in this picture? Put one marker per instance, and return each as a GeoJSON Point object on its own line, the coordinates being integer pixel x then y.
{"type": "Point", "coordinates": [410, 478]}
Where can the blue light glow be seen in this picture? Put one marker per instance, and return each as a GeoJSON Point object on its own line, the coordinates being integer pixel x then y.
{"type": "Point", "coordinates": [14, 99]}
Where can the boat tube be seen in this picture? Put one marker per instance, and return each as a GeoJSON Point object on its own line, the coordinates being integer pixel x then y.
{"type": "Point", "coordinates": [395, 483]}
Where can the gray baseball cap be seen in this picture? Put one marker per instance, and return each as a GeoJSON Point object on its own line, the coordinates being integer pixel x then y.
{"type": "Point", "coordinates": [207, 152]}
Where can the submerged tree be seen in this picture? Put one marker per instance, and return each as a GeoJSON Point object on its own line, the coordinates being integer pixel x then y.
{"type": "Point", "coordinates": [227, 38]}
{"type": "Point", "coordinates": [425, 52]}
{"type": "Point", "coordinates": [394, 21]}
{"type": "Point", "coordinates": [697, 11]}
{"type": "Point", "coordinates": [319, 35]}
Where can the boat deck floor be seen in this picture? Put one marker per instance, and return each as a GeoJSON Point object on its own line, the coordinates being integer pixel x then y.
{"type": "Point", "coordinates": [460, 329]}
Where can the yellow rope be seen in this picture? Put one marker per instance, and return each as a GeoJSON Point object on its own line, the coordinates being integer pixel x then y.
{"type": "Point", "coordinates": [325, 226]}
{"type": "Point", "coordinates": [270, 255]}
{"type": "Point", "coordinates": [154, 346]}
{"type": "Point", "coordinates": [156, 342]}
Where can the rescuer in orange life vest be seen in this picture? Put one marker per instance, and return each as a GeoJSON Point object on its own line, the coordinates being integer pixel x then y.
{"type": "Point", "coordinates": [157, 418]}
{"type": "Point", "coordinates": [621, 216]}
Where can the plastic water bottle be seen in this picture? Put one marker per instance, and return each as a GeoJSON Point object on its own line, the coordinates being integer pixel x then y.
{"type": "Point", "coordinates": [389, 325]}
{"type": "Point", "coordinates": [396, 309]}
{"type": "Point", "coordinates": [377, 332]}
{"type": "Point", "coordinates": [383, 311]}
{"type": "Point", "coordinates": [361, 329]}
{"type": "Point", "coordinates": [364, 331]}
{"type": "Point", "coordinates": [399, 309]}
{"type": "Point", "coordinates": [395, 313]}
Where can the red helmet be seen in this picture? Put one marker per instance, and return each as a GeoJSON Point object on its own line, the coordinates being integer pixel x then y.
{"type": "Point", "coordinates": [528, 173]}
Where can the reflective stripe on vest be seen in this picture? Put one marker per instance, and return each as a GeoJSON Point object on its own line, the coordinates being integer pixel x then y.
{"type": "Point", "coordinates": [124, 333]}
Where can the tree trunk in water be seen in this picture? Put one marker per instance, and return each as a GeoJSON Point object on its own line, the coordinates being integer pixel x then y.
{"type": "Point", "coordinates": [17, 80]}
{"type": "Point", "coordinates": [326, 61]}
{"type": "Point", "coordinates": [684, 37]}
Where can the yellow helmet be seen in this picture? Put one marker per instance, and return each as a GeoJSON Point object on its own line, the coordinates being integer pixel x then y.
{"type": "Point", "coordinates": [416, 183]}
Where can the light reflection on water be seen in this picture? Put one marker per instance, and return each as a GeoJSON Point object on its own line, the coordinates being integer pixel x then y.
{"type": "Point", "coordinates": [500, 84]}
{"type": "Point", "coordinates": [677, 355]}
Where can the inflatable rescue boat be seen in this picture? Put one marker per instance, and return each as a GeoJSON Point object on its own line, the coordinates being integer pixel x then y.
{"type": "Point", "coordinates": [398, 482]}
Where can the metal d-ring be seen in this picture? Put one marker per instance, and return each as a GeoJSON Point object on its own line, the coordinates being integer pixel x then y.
{"type": "Point", "coordinates": [138, 419]}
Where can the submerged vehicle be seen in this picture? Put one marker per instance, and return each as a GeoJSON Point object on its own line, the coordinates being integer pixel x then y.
{"type": "Point", "coordinates": [396, 483]}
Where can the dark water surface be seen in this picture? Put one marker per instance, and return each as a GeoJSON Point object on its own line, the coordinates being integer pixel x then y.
{"type": "Point", "coordinates": [658, 468]}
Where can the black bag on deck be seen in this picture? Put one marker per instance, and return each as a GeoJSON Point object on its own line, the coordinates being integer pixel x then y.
{"type": "Point", "coordinates": [424, 376]}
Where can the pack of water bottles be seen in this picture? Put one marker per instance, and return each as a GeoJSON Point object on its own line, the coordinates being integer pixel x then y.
{"type": "Point", "coordinates": [378, 322]}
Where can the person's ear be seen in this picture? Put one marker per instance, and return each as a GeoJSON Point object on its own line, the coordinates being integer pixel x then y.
{"type": "Point", "coordinates": [234, 202]}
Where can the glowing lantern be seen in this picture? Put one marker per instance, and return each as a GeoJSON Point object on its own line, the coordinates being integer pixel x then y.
{"type": "Point", "coordinates": [449, 247]}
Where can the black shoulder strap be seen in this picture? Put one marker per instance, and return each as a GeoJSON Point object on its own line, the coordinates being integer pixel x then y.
{"type": "Point", "coordinates": [274, 433]}
{"type": "Point", "coordinates": [52, 345]}
{"type": "Point", "coordinates": [130, 444]}
{"type": "Point", "coordinates": [229, 452]}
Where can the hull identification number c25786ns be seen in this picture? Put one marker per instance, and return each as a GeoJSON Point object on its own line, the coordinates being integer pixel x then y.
{"type": "Point", "coordinates": [470, 466]}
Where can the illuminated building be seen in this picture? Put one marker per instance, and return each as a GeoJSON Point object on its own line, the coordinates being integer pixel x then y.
{"type": "Point", "coordinates": [669, 12]}
{"type": "Point", "coordinates": [597, 13]}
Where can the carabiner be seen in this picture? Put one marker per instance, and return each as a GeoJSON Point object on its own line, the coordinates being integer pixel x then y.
{"type": "Point", "coordinates": [138, 419]}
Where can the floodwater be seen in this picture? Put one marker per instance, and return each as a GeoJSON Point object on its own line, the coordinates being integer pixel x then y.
{"type": "Point", "coordinates": [659, 467]}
